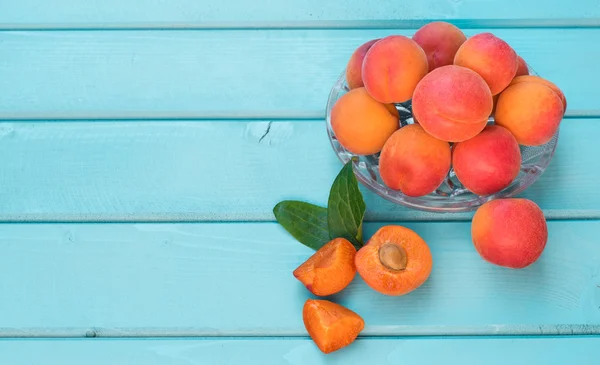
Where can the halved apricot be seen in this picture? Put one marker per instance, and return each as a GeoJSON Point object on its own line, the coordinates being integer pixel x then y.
{"type": "Point", "coordinates": [395, 261]}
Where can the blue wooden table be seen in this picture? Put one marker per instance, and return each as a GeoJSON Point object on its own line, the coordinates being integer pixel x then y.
{"type": "Point", "coordinates": [144, 143]}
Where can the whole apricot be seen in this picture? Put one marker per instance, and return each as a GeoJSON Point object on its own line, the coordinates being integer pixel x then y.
{"type": "Point", "coordinates": [543, 81]}
{"type": "Point", "coordinates": [395, 261]}
{"type": "Point", "coordinates": [488, 162]}
{"type": "Point", "coordinates": [414, 162]}
{"type": "Point", "coordinates": [491, 57]}
{"type": "Point", "coordinates": [362, 124]}
{"type": "Point", "coordinates": [449, 112]}
{"type": "Point", "coordinates": [510, 232]}
{"type": "Point", "coordinates": [330, 325]}
{"type": "Point", "coordinates": [531, 111]}
{"type": "Point", "coordinates": [330, 269]}
{"type": "Point", "coordinates": [522, 68]}
{"type": "Point", "coordinates": [392, 68]}
{"type": "Point", "coordinates": [440, 40]}
{"type": "Point", "coordinates": [354, 66]}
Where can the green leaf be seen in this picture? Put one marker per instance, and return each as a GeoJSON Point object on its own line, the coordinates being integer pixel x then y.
{"type": "Point", "coordinates": [346, 207]}
{"type": "Point", "coordinates": [306, 222]}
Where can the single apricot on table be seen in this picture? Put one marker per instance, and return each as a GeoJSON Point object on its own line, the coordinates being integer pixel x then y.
{"type": "Point", "coordinates": [395, 261]}
{"type": "Point", "coordinates": [509, 232]}
{"type": "Point", "coordinates": [354, 66]}
{"type": "Point", "coordinates": [330, 325]}
{"type": "Point", "coordinates": [330, 269]}
{"type": "Point", "coordinates": [362, 124]}
{"type": "Point", "coordinates": [522, 69]}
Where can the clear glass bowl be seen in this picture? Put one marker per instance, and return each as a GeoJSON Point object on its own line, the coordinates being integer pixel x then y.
{"type": "Point", "coordinates": [451, 196]}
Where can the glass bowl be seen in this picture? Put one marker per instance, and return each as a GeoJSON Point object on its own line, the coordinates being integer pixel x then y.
{"type": "Point", "coordinates": [451, 195]}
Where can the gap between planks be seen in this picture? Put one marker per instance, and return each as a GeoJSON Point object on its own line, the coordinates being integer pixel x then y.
{"type": "Point", "coordinates": [316, 25]}
{"type": "Point", "coordinates": [371, 332]}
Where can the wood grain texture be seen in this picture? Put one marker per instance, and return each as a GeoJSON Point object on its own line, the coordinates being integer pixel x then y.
{"type": "Point", "coordinates": [111, 280]}
{"type": "Point", "coordinates": [230, 74]}
{"type": "Point", "coordinates": [223, 171]}
{"type": "Point", "coordinates": [464, 351]}
{"type": "Point", "coordinates": [194, 13]}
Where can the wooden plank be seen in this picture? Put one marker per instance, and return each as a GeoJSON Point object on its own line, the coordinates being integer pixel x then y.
{"type": "Point", "coordinates": [223, 171]}
{"type": "Point", "coordinates": [107, 280]}
{"type": "Point", "coordinates": [197, 74]}
{"type": "Point", "coordinates": [464, 351]}
{"type": "Point", "coordinates": [189, 13]}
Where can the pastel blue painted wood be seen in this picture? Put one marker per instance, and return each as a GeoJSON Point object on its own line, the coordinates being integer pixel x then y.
{"type": "Point", "coordinates": [231, 74]}
{"type": "Point", "coordinates": [227, 279]}
{"type": "Point", "coordinates": [292, 351]}
{"type": "Point", "coordinates": [133, 13]}
{"type": "Point", "coordinates": [223, 171]}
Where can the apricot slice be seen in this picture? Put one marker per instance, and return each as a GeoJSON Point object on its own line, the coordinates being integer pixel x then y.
{"type": "Point", "coordinates": [531, 111]}
{"type": "Point", "coordinates": [354, 66]}
{"type": "Point", "coordinates": [330, 325]}
{"type": "Point", "coordinates": [488, 162]}
{"type": "Point", "coordinates": [491, 57]}
{"type": "Point", "coordinates": [440, 40]}
{"type": "Point", "coordinates": [510, 232]}
{"type": "Point", "coordinates": [330, 269]}
{"type": "Point", "coordinates": [362, 124]}
{"type": "Point", "coordinates": [392, 68]}
{"type": "Point", "coordinates": [395, 261]}
{"type": "Point", "coordinates": [414, 162]}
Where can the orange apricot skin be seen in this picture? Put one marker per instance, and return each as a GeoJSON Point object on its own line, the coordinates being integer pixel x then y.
{"type": "Point", "coordinates": [330, 269]}
{"type": "Point", "coordinates": [354, 66]}
{"type": "Point", "coordinates": [488, 162]}
{"type": "Point", "coordinates": [448, 112]}
{"type": "Point", "coordinates": [414, 162]}
{"type": "Point", "coordinates": [510, 232]}
{"type": "Point", "coordinates": [440, 40]}
{"type": "Point", "coordinates": [330, 325]}
{"type": "Point", "coordinates": [522, 68]}
{"type": "Point", "coordinates": [385, 280]}
{"type": "Point", "coordinates": [531, 111]}
{"type": "Point", "coordinates": [491, 57]}
{"type": "Point", "coordinates": [362, 124]}
{"type": "Point", "coordinates": [550, 84]}
{"type": "Point", "coordinates": [392, 68]}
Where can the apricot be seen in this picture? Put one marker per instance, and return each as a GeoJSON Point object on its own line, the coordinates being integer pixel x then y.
{"type": "Point", "coordinates": [531, 111]}
{"type": "Point", "coordinates": [488, 162]}
{"type": "Point", "coordinates": [449, 112]}
{"type": "Point", "coordinates": [510, 232]}
{"type": "Point", "coordinates": [440, 41]}
{"type": "Point", "coordinates": [392, 68]}
{"type": "Point", "coordinates": [330, 269]}
{"type": "Point", "coordinates": [354, 66]}
{"type": "Point", "coordinates": [491, 57]}
{"type": "Point", "coordinates": [413, 161]}
{"type": "Point", "coordinates": [330, 325]}
{"type": "Point", "coordinates": [522, 68]}
{"type": "Point", "coordinates": [362, 124]}
{"type": "Point", "coordinates": [556, 89]}
{"type": "Point", "coordinates": [395, 261]}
